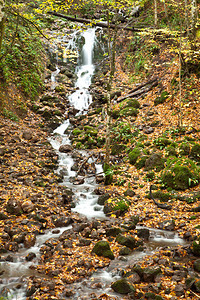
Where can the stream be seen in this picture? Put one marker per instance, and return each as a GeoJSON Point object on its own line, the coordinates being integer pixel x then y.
{"type": "Point", "coordinates": [13, 282]}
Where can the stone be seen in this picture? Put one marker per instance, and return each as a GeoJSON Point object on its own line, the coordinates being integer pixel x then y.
{"type": "Point", "coordinates": [179, 290]}
{"type": "Point", "coordinates": [113, 231]}
{"type": "Point", "coordinates": [122, 286]}
{"type": "Point", "coordinates": [154, 161]}
{"type": "Point", "coordinates": [29, 240]}
{"type": "Point", "coordinates": [27, 135]}
{"type": "Point", "coordinates": [102, 248]}
{"type": "Point", "coordinates": [28, 206]}
{"type": "Point", "coordinates": [197, 265]}
{"type": "Point", "coordinates": [148, 130]}
{"type": "Point", "coordinates": [125, 251]}
{"type": "Point", "coordinates": [14, 207]}
{"type": "Point", "coordinates": [196, 247]}
{"type": "Point", "coordinates": [167, 225]}
{"type": "Point", "coordinates": [61, 221]}
{"type": "Point", "coordinates": [134, 278]}
{"type": "Point", "coordinates": [143, 233]}
{"type": "Point", "coordinates": [149, 274]}
{"type": "Point", "coordinates": [129, 193]}
{"type": "Point", "coordinates": [128, 241]}
{"type": "Point", "coordinates": [30, 256]}
{"type": "Point", "coordinates": [65, 148]}
{"type": "Point", "coordinates": [102, 198]}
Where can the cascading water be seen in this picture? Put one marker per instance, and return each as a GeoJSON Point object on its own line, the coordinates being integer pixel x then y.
{"type": "Point", "coordinates": [80, 100]}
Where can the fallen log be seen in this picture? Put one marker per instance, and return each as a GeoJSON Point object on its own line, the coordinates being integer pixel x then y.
{"type": "Point", "coordinates": [141, 89]}
{"type": "Point", "coordinates": [95, 23]}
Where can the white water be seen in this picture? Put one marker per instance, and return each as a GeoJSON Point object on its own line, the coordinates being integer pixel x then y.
{"type": "Point", "coordinates": [80, 99]}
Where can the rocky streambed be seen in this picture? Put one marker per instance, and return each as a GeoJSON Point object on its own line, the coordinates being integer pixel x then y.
{"type": "Point", "coordinates": [56, 241]}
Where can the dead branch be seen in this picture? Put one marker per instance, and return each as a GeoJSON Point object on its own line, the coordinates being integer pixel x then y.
{"type": "Point", "coordinates": [141, 89]}
{"type": "Point", "coordinates": [95, 23]}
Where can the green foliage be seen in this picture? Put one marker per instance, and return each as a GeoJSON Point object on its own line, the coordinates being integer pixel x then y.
{"type": "Point", "coordinates": [21, 63]}
{"type": "Point", "coordinates": [9, 115]}
{"type": "Point", "coordinates": [161, 142]}
{"type": "Point", "coordinates": [159, 100]}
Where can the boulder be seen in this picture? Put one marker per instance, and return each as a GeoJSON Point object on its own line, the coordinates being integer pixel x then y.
{"type": "Point", "coordinates": [122, 286]}
{"type": "Point", "coordinates": [167, 225]}
{"type": "Point", "coordinates": [128, 241]}
{"type": "Point", "coordinates": [143, 233]}
{"type": "Point", "coordinates": [65, 148]}
{"type": "Point", "coordinates": [27, 135]}
{"type": "Point", "coordinates": [149, 274]}
{"type": "Point", "coordinates": [196, 247]}
{"type": "Point", "coordinates": [102, 248]}
{"type": "Point", "coordinates": [154, 161]}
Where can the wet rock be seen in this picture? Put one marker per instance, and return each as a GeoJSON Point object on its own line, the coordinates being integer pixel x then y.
{"type": "Point", "coordinates": [100, 178]}
{"type": "Point", "coordinates": [197, 265]}
{"type": "Point", "coordinates": [79, 227]}
{"type": "Point", "coordinates": [102, 248]}
{"type": "Point", "coordinates": [167, 225]}
{"type": "Point", "coordinates": [9, 258]}
{"type": "Point", "coordinates": [14, 207]}
{"type": "Point", "coordinates": [125, 251]}
{"type": "Point", "coordinates": [29, 240]}
{"type": "Point", "coordinates": [83, 242]}
{"type": "Point", "coordinates": [128, 241]}
{"type": "Point", "coordinates": [67, 244]}
{"type": "Point", "coordinates": [27, 135]}
{"type": "Point", "coordinates": [19, 238]}
{"type": "Point", "coordinates": [143, 233]}
{"type": "Point", "coordinates": [65, 148]}
{"type": "Point", "coordinates": [149, 274]}
{"type": "Point", "coordinates": [122, 286]}
{"type": "Point", "coordinates": [196, 247]}
{"type": "Point", "coordinates": [30, 256]}
{"type": "Point", "coordinates": [61, 221]}
{"type": "Point", "coordinates": [179, 290]}
{"type": "Point", "coordinates": [134, 278]}
{"type": "Point", "coordinates": [28, 206]}
{"type": "Point", "coordinates": [197, 286]}
{"type": "Point", "coordinates": [2, 151]}
{"type": "Point", "coordinates": [113, 231]}
{"type": "Point", "coordinates": [11, 246]}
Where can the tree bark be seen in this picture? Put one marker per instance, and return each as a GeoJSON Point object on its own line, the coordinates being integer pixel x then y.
{"type": "Point", "coordinates": [2, 21]}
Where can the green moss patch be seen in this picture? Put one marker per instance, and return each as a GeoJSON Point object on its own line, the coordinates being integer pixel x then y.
{"type": "Point", "coordinates": [180, 174]}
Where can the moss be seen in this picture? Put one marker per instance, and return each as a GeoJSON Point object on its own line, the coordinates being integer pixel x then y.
{"type": "Point", "coordinates": [162, 142]}
{"type": "Point", "coordinates": [134, 154]}
{"type": "Point", "coordinates": [141, 162]}
{"type": "Point", "coordinates": [122, 286]}
{"type": "Point", "coordinates": [163, 197]}
{"type": "Point", "coordinates": [128, 241]}
{"type": "Point", "coordinates": [171, 151]}
{"type": "Point", "coordinates": [117, 149]}
{"type": "Point", "coordinates": [196, 247]}
{"type": "Point", "coordinates": [115, 113]}
{"type": "Point", "coordinates": [102, 248]}
{"type": "Point", "coordinates": [184, 149]}
{"type": "Point", "coordinates": [59, 88]}
{"type": "Point", "coordinates": [159, 100]}
{"type": "Point", "coordinates": [195, 152]}
{"type": "Point", "coordinates": [129, 111]}
{"type": "Point", "coordinates": [130, 102]}
{"type": "Point", "coordinates": [150, 175]}
{"type": "Point", "coordinates": [180, 174]}
{"type": "Point", "coordinates": [76, 131]}
{"type": "Point", "coordinates": [91, 130]}
{"type": "Point", "coordinates": [116, 204]}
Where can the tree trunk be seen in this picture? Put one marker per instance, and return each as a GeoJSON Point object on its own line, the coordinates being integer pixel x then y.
{"type": "Point", "coordinates": [155, 14]}
{"type": "Point", "coordinates": [180, 117]}
{"type": "Point", "coordinates": [2, 21]}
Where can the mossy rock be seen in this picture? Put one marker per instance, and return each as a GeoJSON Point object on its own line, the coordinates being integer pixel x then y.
{"type": "Point", "coordinates": [125, 251]}
{"type": "Point", "coordinates": [197, 265]}
{"type": "Point", "coordinates": [60, 88]}
{"type": "Point", "coordinates": [129, 111]}
{"type": "Point", "coordinates": [115, 113]}
{"type": "Point", "coordinates": [150, 175]}
{"type": "Point", "coordinates": [90, 130]}
{"type": "Point", "coordinates": [117, 149]}
{"type": "Point", "coordinates": [196, 247]}
{"type": "Point", "coordinates": [77, 131]}
{"type": "Point", "coordinates": [113, 231]}
{"type": "Point", "coordinates": [159, 100]}
{"type": "Point", "coordinates": [134, 154]}
{"type": "Point", "coordinates": [171, 151]}
{"type": "Point", "coordinates": [155, 161]}
{"type": "Point", "coordinates": [141, 162]}
{"type": "Point", "coordinates": [128, 241]}
{"type": "Point", "coordinates": [102, 248]}
{"type": "Point", "coordinates": [130, 102]}
{"type": "Point", "coordinates": [163, 197]}
{"type": "Point", "coordinates": [184, 149]}
{"type": "Point", "coordinates": [102, 198]}
{"type": "Point", "coordinates": [122, 286]}
{"type": "Point", "coordinates": [161, 142]}
{"type": "Point", "coordinates": [195, 152]}
{"type": "Point", "coordinates": [180, 174]}
{"type": "Point", "coordinates": [116, 204]}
